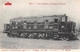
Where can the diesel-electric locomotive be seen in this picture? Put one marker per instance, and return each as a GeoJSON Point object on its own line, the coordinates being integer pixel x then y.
{"type": "Point", "coordinates": [45, 27]}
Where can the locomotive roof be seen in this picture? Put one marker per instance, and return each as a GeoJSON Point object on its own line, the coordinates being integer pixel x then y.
{"type": "Point", "coordinates": [32, 18]}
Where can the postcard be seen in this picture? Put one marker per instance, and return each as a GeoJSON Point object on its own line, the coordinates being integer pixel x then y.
{"type": "Point", "coordinates": [39, 25]}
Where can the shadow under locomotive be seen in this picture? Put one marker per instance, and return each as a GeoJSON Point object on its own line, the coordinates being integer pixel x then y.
{"type": "Point", "coordinates": [44, 27]}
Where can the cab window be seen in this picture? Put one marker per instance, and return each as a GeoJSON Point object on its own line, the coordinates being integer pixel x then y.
{"type": "Point", "coordinates": [55, 20]}
{"type": "Point", "coordinates": [63, 19]}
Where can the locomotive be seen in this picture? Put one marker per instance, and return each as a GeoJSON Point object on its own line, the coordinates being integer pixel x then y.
{"type": "Point", "coordinates": [44, 27]}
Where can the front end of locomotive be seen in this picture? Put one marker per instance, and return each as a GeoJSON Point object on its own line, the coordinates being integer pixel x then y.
{"type": "Point", "coordinates": [67, 29]}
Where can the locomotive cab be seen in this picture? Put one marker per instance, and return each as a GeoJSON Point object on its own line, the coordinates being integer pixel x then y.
{"type": "Point", "coordinates": [6, 28]}
{"type": "Point", "coordinates": [66, 29]}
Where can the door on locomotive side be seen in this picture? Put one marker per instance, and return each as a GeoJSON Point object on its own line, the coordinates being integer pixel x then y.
{"type": "Point", "coordinates": [25, 25]}
{"type": "Point", "coordinates": [55, 25]}
{"type": "Point", "coordinates": [46, 23]}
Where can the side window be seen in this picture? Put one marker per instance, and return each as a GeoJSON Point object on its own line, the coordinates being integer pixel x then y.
{"type": "Point", "coordinates": [63, 19]}
{"type": "Point", "coordinates": [55, 20]}
{"type": "Point", "coordinates": [16, 23]}
{"type": "Point", "coordinates": [46, 20]}
{"type": "Point", "coordinates": [35, 24]}
{"type": "Point", "coordinates": [24, 26]}
{"type": "Point", "coordinates": [46, 25]}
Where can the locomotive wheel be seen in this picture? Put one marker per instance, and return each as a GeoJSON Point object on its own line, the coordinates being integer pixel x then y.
{"type": "Point", "coordinates": [39, 35]}
{"type": "Point", "coordinates": [22, 35]}
{"type": "Point", "coordinates": [35, 35]}
{"type": "Point", "coordinates": [26, 36]}
{"type": "Point", "coordinates": [17, 35]}
{"type": "Point", "coordinates": [43, 36]}
{"type": "Point", "coordinates": [8, 34]}
{"type": "Point", "coordinates": [47, 36]}
{"type": "Point", "coordinates": [75, 37]}
{"type": "Point", "coordinates": [65, 38]}
{"type": "Point", "coordinates": [13, 34]}
{"type": "Point", "coordinates": [30, 36]}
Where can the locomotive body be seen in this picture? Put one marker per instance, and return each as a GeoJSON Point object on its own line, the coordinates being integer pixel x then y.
{"type": "Point", "coordinates": [47, 27]}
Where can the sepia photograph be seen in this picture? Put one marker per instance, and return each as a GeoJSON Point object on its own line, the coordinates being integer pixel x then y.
{"type": "Point", "coordinates": [40, 24]}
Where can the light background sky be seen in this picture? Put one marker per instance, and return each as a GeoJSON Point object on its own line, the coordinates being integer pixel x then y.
{"type": "Point", "coordinates": [23, 8]}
